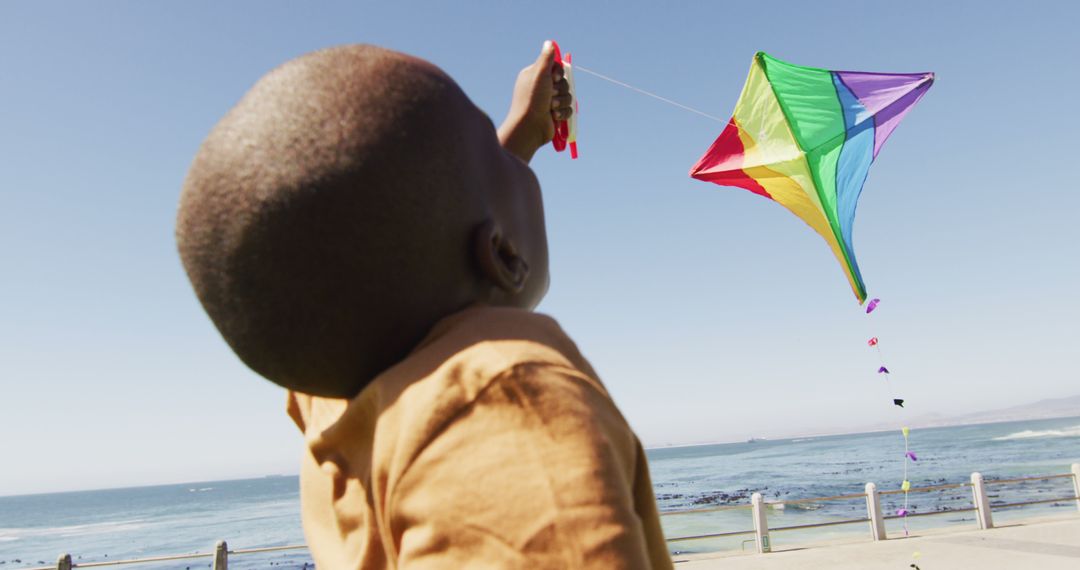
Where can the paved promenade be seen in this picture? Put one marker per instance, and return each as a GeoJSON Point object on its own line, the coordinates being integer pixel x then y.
{"type": "Point", "coordinates": [1045, 544]}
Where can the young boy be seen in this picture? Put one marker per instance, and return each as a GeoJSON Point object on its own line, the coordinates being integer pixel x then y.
{"type": "Point", "coordinates": [361, 234]}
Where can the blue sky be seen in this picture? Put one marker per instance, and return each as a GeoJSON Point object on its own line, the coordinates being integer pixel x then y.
{"type": "Point", "coordinates": [711, 313]}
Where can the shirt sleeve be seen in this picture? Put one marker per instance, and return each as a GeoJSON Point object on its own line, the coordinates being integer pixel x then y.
{"type": "Point", "coordinates": [537, 472]}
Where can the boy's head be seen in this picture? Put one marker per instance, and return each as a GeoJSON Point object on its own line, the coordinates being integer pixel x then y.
{"type": "Point", "coordinates": [350, 200]}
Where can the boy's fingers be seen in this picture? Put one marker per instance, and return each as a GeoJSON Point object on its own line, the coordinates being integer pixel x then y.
{"type": "Point", "coordinates": [562, 87]}
{"type": "Point", "coordinates": [562, 114]}
{"type": "Point", "coordinates": [562, 100]}
{"type": "Point", "coordinates": [557, 73]}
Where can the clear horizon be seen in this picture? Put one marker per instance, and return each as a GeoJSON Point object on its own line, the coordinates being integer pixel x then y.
{"type": "Point", "coordinates": [647, 448]}
{"type": "Point", "coordinates": [708, 312]}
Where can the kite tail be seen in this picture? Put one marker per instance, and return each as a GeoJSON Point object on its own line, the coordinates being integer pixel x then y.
{"type": "Point", "coordinates": [909, 455]}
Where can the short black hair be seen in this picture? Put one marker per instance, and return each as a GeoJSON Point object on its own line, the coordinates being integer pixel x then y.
{"type": "Point", "coordinates": [297, 219]}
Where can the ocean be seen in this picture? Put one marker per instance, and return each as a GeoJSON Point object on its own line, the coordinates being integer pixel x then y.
{"type": "Point", "coordinates": [174, 519]}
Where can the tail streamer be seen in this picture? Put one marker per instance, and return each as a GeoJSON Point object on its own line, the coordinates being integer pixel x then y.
{"type": "Point", "coordinates": [909, 455]}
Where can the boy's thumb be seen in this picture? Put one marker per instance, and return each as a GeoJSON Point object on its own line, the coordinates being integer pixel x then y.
{"type": "Point", "coordinates": [547, 52]}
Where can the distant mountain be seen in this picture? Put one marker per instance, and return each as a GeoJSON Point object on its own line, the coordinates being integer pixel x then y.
{"type": "Point", "coordinates": [1043, 409]}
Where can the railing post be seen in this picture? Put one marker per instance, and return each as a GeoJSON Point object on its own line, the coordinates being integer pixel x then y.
{"type": "Point", "coordinates": [64, 562]}
{"type": "Point", "coordinates": [761, 525]}
{"type": "Point", "coordinates": [982, 503]}
{"type": "Point", "coordinates": [873, 512]}
{"type": "Point", "coordinates": [221, 556]}
{"type": "Point", "coordinates": [1076, 483]}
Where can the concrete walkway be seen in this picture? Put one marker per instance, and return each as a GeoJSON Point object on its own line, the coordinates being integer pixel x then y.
{"type": "Point", "coordinates": [1045, 544]}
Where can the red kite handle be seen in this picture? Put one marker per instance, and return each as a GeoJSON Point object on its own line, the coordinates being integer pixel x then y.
{"type": "Point", "coordinates": [562, 130]}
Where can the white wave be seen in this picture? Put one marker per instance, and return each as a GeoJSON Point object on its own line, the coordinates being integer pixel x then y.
{"type": "Point", "coordinates": [10, 534]}
{"type": "Point", "coordinates": [1073, 431]}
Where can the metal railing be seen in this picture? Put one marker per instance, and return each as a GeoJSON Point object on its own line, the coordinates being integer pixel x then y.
{"type": "Point", "coordinates": [220, 555]}
{"type": "Point", "coordinates": [1076, 491]}
{"type": "Point", "coordinates": [709, 510]}
{"type": "Point", "coordinates": [982, 506]}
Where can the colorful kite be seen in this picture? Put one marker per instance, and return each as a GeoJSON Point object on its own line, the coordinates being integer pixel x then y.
{"type": "Point", "coordinates": [805, 137]}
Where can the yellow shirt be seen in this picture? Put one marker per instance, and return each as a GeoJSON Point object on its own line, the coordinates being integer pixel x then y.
{"type": "Point", "coordinates": [493, 445]}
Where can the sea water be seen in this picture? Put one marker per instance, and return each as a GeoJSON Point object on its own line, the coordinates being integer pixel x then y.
{"type": "Point", "coordinates": [791, 469]}
{"type": "Point", "coordinates": [174, 519]}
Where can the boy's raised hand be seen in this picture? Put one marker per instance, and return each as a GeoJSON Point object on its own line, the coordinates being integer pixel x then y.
{"type": "Point", "coordinates": [541, 96]}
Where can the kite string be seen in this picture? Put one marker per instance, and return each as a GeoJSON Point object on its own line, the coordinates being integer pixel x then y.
{"type": "Point", "coordinates": [907, 483]}
{"type": "Point", "coordinates": [649, 94]}
{"type": "Point", "coordinates": [888, 381]}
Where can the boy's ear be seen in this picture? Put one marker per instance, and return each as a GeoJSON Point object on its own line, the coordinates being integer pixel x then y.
{"type": "Point", "coordinates": [498, 259]}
